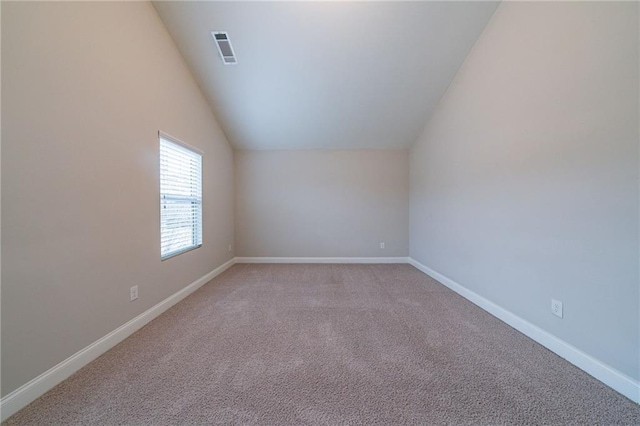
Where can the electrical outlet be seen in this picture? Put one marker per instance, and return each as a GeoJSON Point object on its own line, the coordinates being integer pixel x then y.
{"type": "Point", "coordinates": [382, 245]}
{"type": "Point", "coordinates": [229, 248]}
{"type": "Point", "coordinates": [133, 293]}
{"type": "Point", "coordinates": [556, 308]}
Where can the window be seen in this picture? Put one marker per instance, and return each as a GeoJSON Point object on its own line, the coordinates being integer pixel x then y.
{"type": "Point", "coordinates": [180, 198]}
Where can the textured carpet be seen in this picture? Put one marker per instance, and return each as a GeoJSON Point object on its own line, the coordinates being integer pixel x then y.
{"type": "Point", "coordinates": [328, 344]}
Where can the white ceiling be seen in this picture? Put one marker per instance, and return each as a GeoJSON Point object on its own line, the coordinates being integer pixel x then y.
{"type": "Point", "coordinates": [344, 75]}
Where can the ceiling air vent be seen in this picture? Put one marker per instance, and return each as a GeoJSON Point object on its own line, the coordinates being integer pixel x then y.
{"type": "Point", "coordinates": [224, 47]}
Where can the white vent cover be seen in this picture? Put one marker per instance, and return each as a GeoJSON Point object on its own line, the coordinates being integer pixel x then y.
{"type": "Point", "coordinates": [224, 47]}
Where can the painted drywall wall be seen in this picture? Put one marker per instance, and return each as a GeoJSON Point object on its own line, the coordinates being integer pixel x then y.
{"type": "Point", "coordinates": [311, 203]}
{"type": "Point", "coordinates": [86, 87]}
{"type": "Point", "coordinates": [0, 195]}
{"type": "Point", "coordinates": [524, 184]}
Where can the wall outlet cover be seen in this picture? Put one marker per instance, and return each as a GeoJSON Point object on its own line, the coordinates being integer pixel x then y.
{"type": "Point", "coordinates": [133, 293]}
{"type": "Point", "coordinates": [556, 308]}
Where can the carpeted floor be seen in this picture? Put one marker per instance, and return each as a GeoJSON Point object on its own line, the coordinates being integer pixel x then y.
{"type": "Point", "coordinates": [328, 344]}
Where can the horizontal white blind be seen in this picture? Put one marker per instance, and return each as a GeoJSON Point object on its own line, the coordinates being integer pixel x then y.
{"type": "Point", "coordinates": [180, 199]}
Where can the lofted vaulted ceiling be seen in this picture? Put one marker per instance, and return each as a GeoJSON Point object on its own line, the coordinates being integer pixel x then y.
{"type": "Point", "coordinates": [321, 75]}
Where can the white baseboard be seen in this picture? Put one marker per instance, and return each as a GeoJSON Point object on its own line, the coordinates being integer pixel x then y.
{"type": "Point", "coordinates": [322, 259]}
{"type": "Point", "coordinates": [601, 371]}
{"type": "Point", "coordinates": [29, 392]}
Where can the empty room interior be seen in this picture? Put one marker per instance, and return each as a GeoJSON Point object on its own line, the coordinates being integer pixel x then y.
{"type": "Point", "coordinates": [323, 213]}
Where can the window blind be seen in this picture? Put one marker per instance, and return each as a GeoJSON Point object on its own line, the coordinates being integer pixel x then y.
{"type": "Point", "coordinates": [180, 199]}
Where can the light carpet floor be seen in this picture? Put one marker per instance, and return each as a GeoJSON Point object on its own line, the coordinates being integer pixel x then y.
{"type": "Point", "coordinates": [331, 345]}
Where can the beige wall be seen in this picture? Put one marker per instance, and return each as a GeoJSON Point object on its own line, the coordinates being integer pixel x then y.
{"type": "Point", "coordinates": [322, 203]}
{"type": "Point", "coordinates": [524, 184]}
{"type": "Point", "coordinates": [86, 87]}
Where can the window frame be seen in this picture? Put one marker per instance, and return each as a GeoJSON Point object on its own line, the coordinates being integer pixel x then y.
{"type": "Point", "coordinates": [162, 135]}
